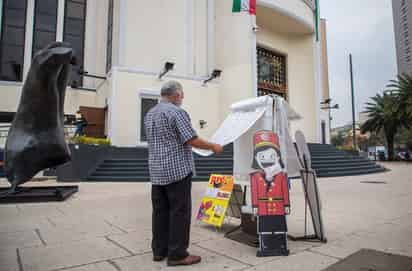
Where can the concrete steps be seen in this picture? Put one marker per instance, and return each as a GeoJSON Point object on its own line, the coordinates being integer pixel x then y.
{"type": "Point", "coordinates": [136, 169]}
{"type": "Point", "coordinates": [326, 160]}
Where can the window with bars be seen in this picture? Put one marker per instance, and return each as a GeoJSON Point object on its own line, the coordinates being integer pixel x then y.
{"type": "Point", "coordinates": [74, 32]}
{"type": "Point", "coordinates": [45, 23]}
{"type": "Point", "coordinates": [13, 25]}
{"type": "Point", "coordinates": [271, 73]}
{"type": "Point", "coordinates": [109, 37]}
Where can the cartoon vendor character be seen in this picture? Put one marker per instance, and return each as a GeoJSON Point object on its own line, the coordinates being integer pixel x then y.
{"type": "Point", "coordinates": [270, 194]}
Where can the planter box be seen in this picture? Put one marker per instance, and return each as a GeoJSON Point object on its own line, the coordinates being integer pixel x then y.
{"type": "Point", "coordinates": [2, 163]}
{"type": "Point", "coordinates": [85, 158]}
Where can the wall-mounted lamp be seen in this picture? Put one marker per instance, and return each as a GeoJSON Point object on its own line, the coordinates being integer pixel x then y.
{"type": "Point", "coordinates": [75, 85]}
{"type": "Point", "coordinates": [202, 123]}
{"type": "Point", "coordinates": [215, 74]}
{"type": "Point", "coordinates": [326, 101]}
{"type": "Point", "coordinates": [168, 67]}
{"type": "Point", "coordinates": [86, 74]}
{"type": "Point", "coordinates": [336, 106]}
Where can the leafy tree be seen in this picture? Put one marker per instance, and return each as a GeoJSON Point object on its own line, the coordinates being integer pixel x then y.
{"type": "Point", "coordinates": [338, 139]}
{"type": "Point", "coordinates": [384, 115]}
{"type": "Point", "coordinates": [402, 87]}
{"type": "Point", "coordinates": [404, 138]}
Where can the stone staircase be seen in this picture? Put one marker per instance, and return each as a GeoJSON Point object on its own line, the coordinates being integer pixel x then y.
{"type": "Point", "coordinates": [136, 168]}
{"type": "Point", "coordinates": [328, 161]}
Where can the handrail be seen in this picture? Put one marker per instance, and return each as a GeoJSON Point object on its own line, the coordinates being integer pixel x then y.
{"type": "Point", "coordinates": [68, 130]}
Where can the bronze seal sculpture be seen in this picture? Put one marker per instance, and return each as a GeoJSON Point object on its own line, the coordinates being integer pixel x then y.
{"type": "Point", "coordinates": [36, 137]}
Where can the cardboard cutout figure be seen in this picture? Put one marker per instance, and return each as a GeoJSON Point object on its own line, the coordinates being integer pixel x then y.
{"type": "Point", "coordinates": [270, 194]}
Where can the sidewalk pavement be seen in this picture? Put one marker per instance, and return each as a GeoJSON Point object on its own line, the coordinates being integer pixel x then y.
{"type": "Point", "coordinates": [107, 227]}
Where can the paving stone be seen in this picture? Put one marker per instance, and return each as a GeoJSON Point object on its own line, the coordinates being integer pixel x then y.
{"type": "Point", "coordinates": [70, 254]}
{"type": "Point", "coordinates": [234, 250]}
{"type": "Point", "coordinates": [335, 250]}
{"type": "Point", "coordinates": [366, 259]}
{"type": "Point", "coordinates": [129, 222]}
{"type": "Point", "coordinates": [8, 259]}
{"type": "Point", "coordinates": [398, 242]}
{"type": "Point", "coordinates": [60, 235]}
{"type": "Point", "coordinates": [103, 266]}
{"type": "Point", "coordinates": [210, 261]}
{"type": "Point", "coordinates": [80, 225]}
{"type": "Point", "coordinates": [8, 210]}
{"type": "Point", "coordinates": [137, 242]}
{"type": "Point", "coordinates": [354, 214]}
{"type": "Point", "coordinates": [18, 223]}
{"type": "Point", "coordinates": [19, 239]}
{"type": "Point", "coordinates": [40, 210]}
{"type": "Point", "coordinates": [298, 262]}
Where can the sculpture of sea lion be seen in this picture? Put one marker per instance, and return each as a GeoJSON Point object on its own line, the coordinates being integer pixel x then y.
{"type": "Point", "coordinates": [36, 137]}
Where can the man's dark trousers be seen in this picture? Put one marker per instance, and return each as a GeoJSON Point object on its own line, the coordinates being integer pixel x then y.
{"type": "Point", "coordinates": [172, 211]}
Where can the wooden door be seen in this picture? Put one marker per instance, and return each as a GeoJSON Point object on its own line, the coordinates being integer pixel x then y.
{"type": "Point", "coordinates": [95, 117]}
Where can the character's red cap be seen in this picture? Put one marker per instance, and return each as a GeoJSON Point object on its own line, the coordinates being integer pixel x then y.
{"type": "Point", "coordinates": [266, 138]}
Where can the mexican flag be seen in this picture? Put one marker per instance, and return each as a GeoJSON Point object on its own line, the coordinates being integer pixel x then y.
{"type": "Point", "coordinates": [244, 5]}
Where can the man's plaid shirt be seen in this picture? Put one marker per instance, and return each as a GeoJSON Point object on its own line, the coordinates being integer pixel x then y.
{"type": "Point", "coordinates": [168, 128]}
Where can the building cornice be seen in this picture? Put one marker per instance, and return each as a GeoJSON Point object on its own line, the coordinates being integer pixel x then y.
{"type": "Point", "coordinates": [279, 8]}
{"type": "Point", "coordinates": [152, 73]}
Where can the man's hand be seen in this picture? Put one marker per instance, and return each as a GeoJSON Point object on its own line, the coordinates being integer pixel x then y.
{"type": "Point", "coordinates": [197, 142]}
{"type": "Point", "coordinates": [216, 148]}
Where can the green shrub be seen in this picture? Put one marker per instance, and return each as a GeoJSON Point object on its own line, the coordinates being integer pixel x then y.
{"type": "Point", "coordinates": [349, 149]}
{"type": "Point", "coordinates": [90, 140]}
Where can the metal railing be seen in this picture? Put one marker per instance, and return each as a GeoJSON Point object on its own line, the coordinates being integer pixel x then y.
{"type": "Point", "coordinates": [4, 131]}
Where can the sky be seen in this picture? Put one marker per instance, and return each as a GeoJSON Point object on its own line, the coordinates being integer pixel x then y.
{"type": "Point", "coordinates": [363, 28]}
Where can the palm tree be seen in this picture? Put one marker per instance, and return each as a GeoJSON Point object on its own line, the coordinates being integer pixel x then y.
{"type": "Point", "coordinates": [384, 115]}
{"type": "Point", "coordinates": [402, 87]}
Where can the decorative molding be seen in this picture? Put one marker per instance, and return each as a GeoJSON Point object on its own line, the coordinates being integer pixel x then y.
{"type": "Point", "coordinates": [152, 73]}
{"type": "Point", "coordinates": [271, 5]}
{"type": "Point", "coordinates": [111, 129]}
{"type": "Point", "coordinates": [150, 93]}
{"type": "Point", "coordinates": [11, 83]}
{"type": "Point", "coordinates": [189, 36]}
{"type": "Point", "coordinates": [122, 34]}
{"type": "Point", "coordinates": [210, 35]}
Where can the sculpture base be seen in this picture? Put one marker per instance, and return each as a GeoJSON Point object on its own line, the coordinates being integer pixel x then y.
{"type": "Point", "coordinates": [245, 233]}
{"type": "Point", "coordinates": [39, 194]}
{"type": "Point", "coordinates": [273, 252]}
{"type": "Point", "coordinates": [307, 238]}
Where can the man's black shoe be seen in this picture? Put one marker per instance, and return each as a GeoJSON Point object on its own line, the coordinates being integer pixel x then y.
{"type": "Point", "coordinates": [157, 258]}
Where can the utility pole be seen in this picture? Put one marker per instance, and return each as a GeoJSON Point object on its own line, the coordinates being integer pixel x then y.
{"type": "Point", "coordinates": [353, 103]}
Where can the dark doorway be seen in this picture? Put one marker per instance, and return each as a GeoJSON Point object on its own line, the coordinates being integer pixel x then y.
{"type": "Point", "coordinates": [147, 104]}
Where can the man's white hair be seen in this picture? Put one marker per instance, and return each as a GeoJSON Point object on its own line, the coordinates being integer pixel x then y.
{"type": "Point", "coordinates": [170, 88]}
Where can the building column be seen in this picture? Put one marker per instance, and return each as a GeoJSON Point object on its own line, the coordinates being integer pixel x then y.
{"type": "Point", "coordinates": [189, 36]}
{"type": "Point", "coordinates": [60, 20]}
{"type": "Point", "coordinates": [28, 45]}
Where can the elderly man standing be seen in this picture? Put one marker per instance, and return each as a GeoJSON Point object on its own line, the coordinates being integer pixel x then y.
{"type": "Point", "coordinates": [171, 137]}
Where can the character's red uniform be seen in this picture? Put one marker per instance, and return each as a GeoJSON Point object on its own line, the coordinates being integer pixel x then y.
{"type": "Point", "coordinates": [272, 200]}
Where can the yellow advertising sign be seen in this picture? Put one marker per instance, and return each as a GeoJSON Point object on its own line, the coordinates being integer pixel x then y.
{"type": "Point", "coordinates": [214, 204]}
